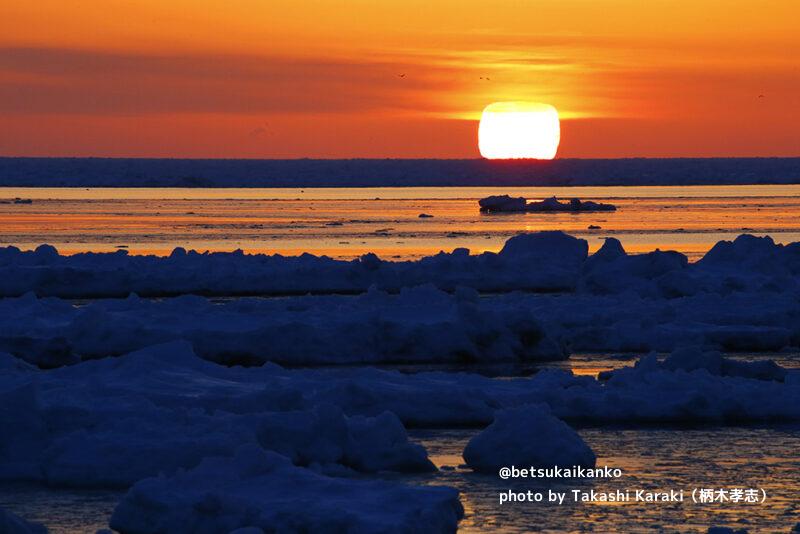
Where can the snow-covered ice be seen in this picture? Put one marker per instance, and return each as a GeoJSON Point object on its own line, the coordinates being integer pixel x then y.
{"type": "Point", "coordinates": [506, 203]}
{"type": "Point", "coordinates": [162, 412]}
{"type": "Point", "coordinates": [87, 275]}
{"type": "Point", "coordinates": [143, 172]}
{"type": "Point", "coordinates": [110, 422]}
{"type": "Point", "coordinates": [259, 489]}
{"type": "Point", "coordinates": [418, 325]}
{"type": "Point", "coordinates": [324, 436]}
{"type": "Point", "coordinates": [538, 262]}
{"type": "Point", "coordinates": [618, 303]}
{"type": "Point", "coordinates": [13, 524]}
{"type": "Point", "coordinates": [528, 436]}
{"type": "Point", "coordinates": [502, 203]}
{"type": "Point", "coordinates": [691, 359]}
{"type": "Point", "coordinates": [182, 399]}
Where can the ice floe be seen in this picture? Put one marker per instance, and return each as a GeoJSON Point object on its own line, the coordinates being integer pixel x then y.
{"type": "Point", "coordinates": [13, 524]}
{"type": "Point", "coordinates": [658, 306]}
{"type": "Point", "coordinates": [138, 172]}
{"type": "Point", "coordinates": [540, 262]}
{"type": "Point", "coordinates": [109, 423]}
{"type": "Point", "coordinates": [89, 424]}
{"type": "Point", "coordinates": [530, 437]}
{"type": "Point", "coordinates": [199, 441]}
{"type": "Point", "coordinates": [508, 204]}
{"type": "Point", "coordinates": [131, 392]}
{"type": "Point", "coordinates": [258, 489]}
{"type": "Point", "coordinates": [420, 324]}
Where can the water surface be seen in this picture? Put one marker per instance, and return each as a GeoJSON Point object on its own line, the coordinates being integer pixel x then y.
{"type": "Point", "coordinates": [650, 459]}
{"type": "Point", "coordinates": [348, 222]}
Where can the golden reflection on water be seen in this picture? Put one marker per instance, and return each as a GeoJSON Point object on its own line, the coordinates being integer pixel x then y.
{"type": "Point", "coordinates": [346, 223]}
{"type": "Point", "coordinates": [650, 459]}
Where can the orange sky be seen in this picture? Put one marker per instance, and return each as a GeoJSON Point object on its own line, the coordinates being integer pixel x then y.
{"type": "Point", "coordinates": [289, 78]}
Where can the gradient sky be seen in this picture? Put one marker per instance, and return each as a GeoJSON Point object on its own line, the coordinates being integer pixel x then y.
{"type": "Point", "coordinates": [248, 78]}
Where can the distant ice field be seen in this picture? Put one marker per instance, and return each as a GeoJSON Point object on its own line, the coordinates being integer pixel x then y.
{"type": "Point", "coordinates": [143, 172]}
{"type": "Point", "coordinates": [347, 222]}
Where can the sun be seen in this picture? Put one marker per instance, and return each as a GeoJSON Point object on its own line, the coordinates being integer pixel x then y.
{"type": "Point", "coordinates": [516, 130]}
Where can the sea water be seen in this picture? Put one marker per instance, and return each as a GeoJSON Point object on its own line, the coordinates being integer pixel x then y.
{"type": "Point", "coordinates": [348, 222]}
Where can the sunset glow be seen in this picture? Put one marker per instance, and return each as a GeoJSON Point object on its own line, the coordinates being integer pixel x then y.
{"type": "Point", "coordinates": [285, 79]}
{"type": "Point", "coordinates": [516, 130]}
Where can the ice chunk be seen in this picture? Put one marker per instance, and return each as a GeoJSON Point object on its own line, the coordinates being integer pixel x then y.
{"type": "Point", "coordinates": [505, 203]}
{"type": "Point", "coordinates": [13, 524]}
{"type": "Point", "coordinates": [12, 364]}
{"type": "Point", "coordinates": [527, 436]}
{"type": "Point", "coordinates": [419, 324]}
{"type": "Point", "coordinates": [118, 452]}
{"type": "Point", "coordinates": [692, 358]}
{"type": "Point", "coordinates": [609, 251]}
{"type": "Point", "coordinates": [26, 434]}
{"type": "Point", "coordinates": [546, 245]}
{"type": "Point", "coordinates": [532, 262]}
{"type": "Point", "coordinates": [261, 489]}
{"type": "Point", "coordinates": [111, 422]}
{"type": "Point", "coordinates": [745, 250]}
{"type": "Point", "coordinates": [650, 392]}
{"type": "Point", "coordinates": [655, 274]}
{"type": "Point", "coordinates": [381, 444]}
{"type": "Point", "coordinates": [326, 436]}
{"type": "Point", "coordinates": [502, 203]}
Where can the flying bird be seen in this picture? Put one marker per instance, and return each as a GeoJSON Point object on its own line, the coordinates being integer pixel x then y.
{"type": "Point", "coordinates": [401, 75]}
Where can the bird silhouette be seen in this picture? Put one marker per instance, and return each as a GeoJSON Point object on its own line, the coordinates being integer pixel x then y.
{"type": "Point", "coordinates": [401, 75]}
{"type": "Point", "coordinates": [760, 96]}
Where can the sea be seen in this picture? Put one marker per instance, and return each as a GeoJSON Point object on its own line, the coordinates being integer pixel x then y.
{"type": "Point", "coordinates": [404, 223]}
{"type": "Point", "coordinates": [398, 223]}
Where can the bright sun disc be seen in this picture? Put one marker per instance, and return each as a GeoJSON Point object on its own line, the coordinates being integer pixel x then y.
{"type": "Point", "coordinates": [513, 130]}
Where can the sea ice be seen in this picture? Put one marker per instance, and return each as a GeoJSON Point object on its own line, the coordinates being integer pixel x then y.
{"type": "Point", "coordinates": [324, 436]}
{"type": "Point", "coordinates": [505, 203]}
{"type": "Point", "coordinates": [261, 489]}
{"type": "Point", "coordinates": [222, 173]}
{"type": "Point", "coordinates": [113, 421]}
{"type": "Point", "coordinates": [691, 358]}
{"type": "Point", "coordinates": [13, 524]}
{"type": "Point", "coordinates": [527, 436]}
{"type": "Point", "coordinates": [109, 423]}
{"type": "Point", "coordinates": [541, 262]}
{"type": "Point", "coordinates": [420, 324]}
